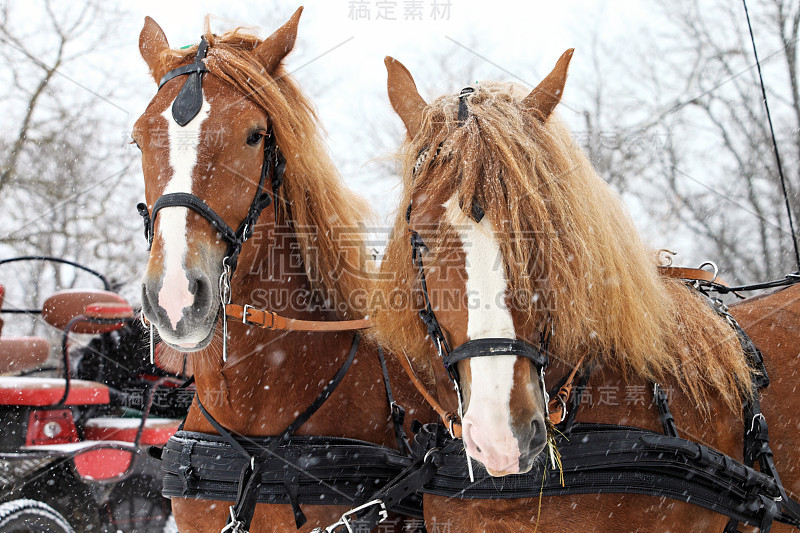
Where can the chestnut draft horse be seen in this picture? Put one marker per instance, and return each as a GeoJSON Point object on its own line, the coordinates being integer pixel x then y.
{"type": "Point", "coordinates": [516, 239]}
{"type": "Point", "coordinates": [202, 139]}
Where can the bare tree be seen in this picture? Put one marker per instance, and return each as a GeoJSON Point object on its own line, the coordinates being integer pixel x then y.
{"type": "Point", "coordinates": [698, 154]}
{"type": "Point", "coordinates": [66, 177]}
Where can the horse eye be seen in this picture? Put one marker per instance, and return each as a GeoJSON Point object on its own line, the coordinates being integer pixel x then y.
{"type": "Point", "coordinates": [255, 138]}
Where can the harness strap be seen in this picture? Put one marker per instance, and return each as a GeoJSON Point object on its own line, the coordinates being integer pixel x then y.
{"type": "Point", "coordinates": [250, 479]}
{"type": "Point", "coordinates": [757, 449]}
{"type": "Point", "coordinates": [426, 314]}
{"type": "Point", "coordinates": [190, 201]}
{"type": "Point", "coordinates": [558, 403]}
{"type": "Point", "coordinates": [410, 480]}
{"type": "Point", "coordinates": [495, 346]}
{"type": "Point", "coordinates": [568, 424]}
{"type": "Point", "coordinates": [716, 284]}
{"type": "Point", "coordinates": [662, 404]}
{"type": "Point", "coordinates": [602, 458]}
{"type": "Point", "coordinates": [270, 320]}
{"type": "Point", "coordinates": [325, 394]}
{"type": "Point", "coordinates": [398, 414]}
{"type": "Point", "coordinates": [190, 98]}
{"type": "Point", "coordinates": [463, 109]}
{"type": "Point", "coordinates": [691, 274]}
{"type": "Point", "coordinates": [234, 238]}
{"type": "Point", "coordinates": [448, 418]}
{"type": "Point", "coordinates": [335, 470]}
{"type": "Point", "coordinates": [756, 433]}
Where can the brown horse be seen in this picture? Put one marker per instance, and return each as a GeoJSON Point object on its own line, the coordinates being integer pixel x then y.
{"type": "Point", "coordinates": [305, 259]}
{"type": "Point", "coordinates": [522, 237]}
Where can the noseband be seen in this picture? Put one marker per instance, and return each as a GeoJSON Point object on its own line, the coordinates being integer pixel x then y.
{"type": "Point", "coordinates": [185, 107]}
{"type": "Point", "coordinates": [475, 347]}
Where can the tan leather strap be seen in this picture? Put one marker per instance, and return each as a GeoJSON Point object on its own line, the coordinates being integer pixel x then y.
{"type": "Point", "coordinates": [270, 320]}
{"type": "Point", "coordinates": [695, 274]}
{"type": "Point", "coordinates": [557, 405]}
{"type": "Point", "coordinates": [448, 418]}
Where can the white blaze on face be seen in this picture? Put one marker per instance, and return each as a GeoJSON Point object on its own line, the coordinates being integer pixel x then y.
{"type": "Point", "coordinates": [489, 411]}
{"type": "Point", "coordinates": [174, 295]}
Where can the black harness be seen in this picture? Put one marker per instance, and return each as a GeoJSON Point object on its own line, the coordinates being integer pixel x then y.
{"type": "Point", "coordinates": [298, 470]}
{"type": "Point", "coordinates": [472, 348]}
{"type": "Point", "coordinates": [611, 459]}
{"type": "Point", "coordinates": [185, 107]}
{"type": "Point", "coordinates": [286, 469]}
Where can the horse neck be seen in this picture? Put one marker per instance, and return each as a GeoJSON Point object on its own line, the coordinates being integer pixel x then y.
{"type": "Point", "coordinates": [269, 376]}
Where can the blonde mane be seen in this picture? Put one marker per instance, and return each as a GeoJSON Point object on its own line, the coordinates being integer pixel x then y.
{"type": "Point", "coordinates": [328, 218]}
{"type": "Point", "coordinates": [565, 237]}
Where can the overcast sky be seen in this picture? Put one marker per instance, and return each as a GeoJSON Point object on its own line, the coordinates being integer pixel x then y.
{"type": "Point", "coordinates": [341, 44]}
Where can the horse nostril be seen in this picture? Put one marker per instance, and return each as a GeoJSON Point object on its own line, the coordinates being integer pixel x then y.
{"type": "Point", "coordinates": [538, 435]}
{"type": "Point", "coordinates": [200, 288]}
{"type": "Point", "coordinates": [537, 426]}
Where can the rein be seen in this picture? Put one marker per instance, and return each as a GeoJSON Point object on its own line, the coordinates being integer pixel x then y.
{"type": "Point", "coordinates": [270, 320]}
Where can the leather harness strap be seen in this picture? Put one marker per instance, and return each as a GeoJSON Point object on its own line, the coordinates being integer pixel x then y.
{"type": "Point", "coordinates": [448, 418]}
{"type": "Point", "coordinates": [557, 407]}
{"type": "Point", "coordinates": [693, 274]}
{"type": "Point", "coordinates": [270, 320]}
{"type": "Point", "coordinates": [398, 413]}
{"type": "Point", "coordinates": [250, 479]}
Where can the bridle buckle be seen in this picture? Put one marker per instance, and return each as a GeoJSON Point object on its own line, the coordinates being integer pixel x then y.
{"type": "Point", "coordinates": [245, 312]}
{"type": "Point", "coordinates": [255, 322]}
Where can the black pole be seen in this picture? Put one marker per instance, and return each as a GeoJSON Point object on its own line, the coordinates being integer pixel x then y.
{"type": "Point", "coordinates": [774, 141]}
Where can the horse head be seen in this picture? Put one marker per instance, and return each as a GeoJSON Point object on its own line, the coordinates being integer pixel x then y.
{"type": "Point", "coordinates": [467, 260]}
{"type": "Point", "coordinates": [209, 157]}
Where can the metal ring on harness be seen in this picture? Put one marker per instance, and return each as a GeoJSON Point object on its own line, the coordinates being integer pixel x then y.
{"type": "Point", "coordinates": [756, 417]}
{"type": "Point", "coordinates": [714, 266]}
{"type": "Point", "coordinates": [383, 513]}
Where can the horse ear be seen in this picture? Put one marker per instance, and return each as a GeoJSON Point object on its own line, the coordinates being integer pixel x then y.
{"type": "Point", "coordinates": [152, 42]}
{"type": "Point", "coordinates": [544, 98]}
{"type": "Point", "coordinates": [404, 96]}
{"type": "Point", "coordinates": [278, 45]}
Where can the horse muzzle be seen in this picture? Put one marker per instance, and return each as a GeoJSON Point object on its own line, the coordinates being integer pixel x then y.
{"type": "Point", "coordinates": [184, 308]}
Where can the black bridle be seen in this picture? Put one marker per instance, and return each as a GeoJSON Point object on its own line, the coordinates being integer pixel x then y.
{"type": "Point", "coordinates": [475, 347]}
{"type": "Point", "coordinates": [185, 107]}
